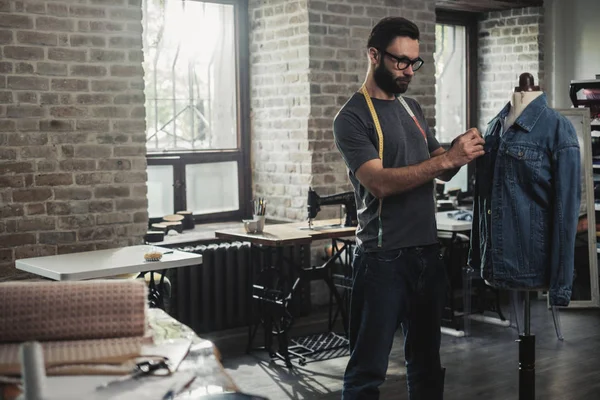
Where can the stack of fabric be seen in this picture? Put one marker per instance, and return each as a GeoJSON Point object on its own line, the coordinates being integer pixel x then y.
{"type": "Point", "coordinates": [84, 327]}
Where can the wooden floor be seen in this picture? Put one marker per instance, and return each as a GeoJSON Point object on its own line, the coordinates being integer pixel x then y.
{"type": "Point", "coordinates": [483, 366]}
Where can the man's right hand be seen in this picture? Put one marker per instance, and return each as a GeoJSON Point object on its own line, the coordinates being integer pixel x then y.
{"type": "Point", "coordinates": [466, 148]}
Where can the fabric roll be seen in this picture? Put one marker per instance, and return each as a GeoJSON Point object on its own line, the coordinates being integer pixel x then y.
{"type": "Point", "coordinates": [97, 309]}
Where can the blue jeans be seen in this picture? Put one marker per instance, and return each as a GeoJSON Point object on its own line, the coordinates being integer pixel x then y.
{"type": "Point", "coordinates": [405, 287]}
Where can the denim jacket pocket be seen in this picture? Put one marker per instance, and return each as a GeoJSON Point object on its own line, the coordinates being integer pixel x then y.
{"type": "Point", "coordinates": [523, 163]}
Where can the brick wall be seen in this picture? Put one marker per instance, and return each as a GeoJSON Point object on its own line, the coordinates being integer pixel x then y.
{"type": "Point", "coordinates": [338, 59]}
{"type": "Point", "coordinates": [280, 103]}
{"type": "Point", "coordinates": [510, 43]}
{"type": "Point", "coordinates": [307, 58]}
{"type": "Point", "coordinates": [72, 128]}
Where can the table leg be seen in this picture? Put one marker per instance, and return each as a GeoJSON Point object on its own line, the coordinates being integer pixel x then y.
{"type": "Point", "coordinates": [342, 306]}
{"type": "Point", "coordinates": [273, 294]}
{"type": "Point", "coordinates": [156, 292]}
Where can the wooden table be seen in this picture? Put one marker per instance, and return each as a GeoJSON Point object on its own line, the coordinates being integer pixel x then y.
{"type": "Point", "coordinates": [286, 234]}
{"type": "Point", "coordinates": [298, 232]}
{"type": "Point", "coordinates": [276, 300]}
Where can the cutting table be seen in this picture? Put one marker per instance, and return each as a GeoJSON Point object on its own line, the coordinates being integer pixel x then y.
{"type": "Point", "coordinates": [277, 288]}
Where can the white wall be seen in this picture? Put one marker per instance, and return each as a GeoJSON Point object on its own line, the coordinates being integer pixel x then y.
{"type": "Point", "coordinates": [572, 46]}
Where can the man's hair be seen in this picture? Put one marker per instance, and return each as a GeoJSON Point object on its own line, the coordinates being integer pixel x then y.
{"type": "Point", "coordinates": [388, 29]}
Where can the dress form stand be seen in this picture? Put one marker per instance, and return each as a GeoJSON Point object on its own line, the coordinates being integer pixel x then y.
{"type": "Point", "coordinates": [523, 95]}
{"type": "Point", "coordinates": [527, 356]}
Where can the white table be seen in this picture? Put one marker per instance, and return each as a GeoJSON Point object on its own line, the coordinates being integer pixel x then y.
{"type": "Point", "coordinates": [105, 263]}
{"type": "Point", "coordinates": [454, 227]}
{"type": "Point", "coordinates": [110, 263]}
{"type": "Point", "coordinates": [447, 224]}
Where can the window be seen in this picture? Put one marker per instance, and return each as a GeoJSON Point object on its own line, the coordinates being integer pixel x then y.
{"type": "Point", "coordinates": [451, 81]}
{"type": "Point", "coordinates": [196, 108]}
{"type": "Point", "coordinates": [455, 85]}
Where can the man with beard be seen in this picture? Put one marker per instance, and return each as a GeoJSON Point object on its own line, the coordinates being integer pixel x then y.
{"type": "Point", "coordinates": [399, 276]}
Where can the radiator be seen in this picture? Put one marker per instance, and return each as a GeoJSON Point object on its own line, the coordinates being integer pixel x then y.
{"type": "Point", "coordinates": [217, 295]}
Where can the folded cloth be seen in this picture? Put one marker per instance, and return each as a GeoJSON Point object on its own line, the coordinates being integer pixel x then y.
{"type": "Point", "coordinates": [78, 357]}
{"type": "Point", "coordinates": [461, 215]}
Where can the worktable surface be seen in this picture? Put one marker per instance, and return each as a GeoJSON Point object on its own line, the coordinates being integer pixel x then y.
{"type": "Point", "coordinates": [294, 233]}
{"type": "Point", "coordinates": [448, 224]}
{"type": "Point", "coordinates": [298, 232]}
{"type": "Point", "coordinates": [105, 263]}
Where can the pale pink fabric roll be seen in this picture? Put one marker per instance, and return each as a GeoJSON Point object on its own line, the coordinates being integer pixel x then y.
{"type": "Point", "coordinates": [72, 310]}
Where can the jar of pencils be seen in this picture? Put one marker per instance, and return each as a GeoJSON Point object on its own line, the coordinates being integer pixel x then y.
{"type": "Point", "coordinates": [257, 223]}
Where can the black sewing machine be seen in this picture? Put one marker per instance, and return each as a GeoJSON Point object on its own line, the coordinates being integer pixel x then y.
{"type": "Point", "coordinates": [347, 199]}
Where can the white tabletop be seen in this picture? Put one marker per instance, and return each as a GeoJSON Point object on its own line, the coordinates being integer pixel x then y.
{"type": "Point", "coordinates": [105, 263]}
{"type": "Point", "coordinates": [445, 223]}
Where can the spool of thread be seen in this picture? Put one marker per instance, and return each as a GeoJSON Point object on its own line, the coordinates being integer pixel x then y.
{"type": "Point", "coordinates": [173, 218]}
{"type": "Point", "coordinates": [33, 370]}
{"type": "Point", "coordinates": [176, 226]}
{"type": "Point", "coordinates": [188, 219]}
{"type": "Point", "coordinates": [154, 236]}
{"type": "Point", "coordinates": [161, 227]}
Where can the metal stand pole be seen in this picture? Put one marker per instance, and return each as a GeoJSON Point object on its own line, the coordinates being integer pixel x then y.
{"type": "Point", "coordinates": [527, 357]}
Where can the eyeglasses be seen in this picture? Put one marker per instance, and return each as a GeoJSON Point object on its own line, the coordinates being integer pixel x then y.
{"type": "Point", "coordinates": [404, 62]}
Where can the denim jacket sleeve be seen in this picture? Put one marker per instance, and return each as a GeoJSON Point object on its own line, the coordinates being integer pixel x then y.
{"type": "Point", "coordinates": [566, 170]}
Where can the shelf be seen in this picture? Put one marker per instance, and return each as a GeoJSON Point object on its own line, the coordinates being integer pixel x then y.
{"type": "Point", "coordinates": [596, 133]}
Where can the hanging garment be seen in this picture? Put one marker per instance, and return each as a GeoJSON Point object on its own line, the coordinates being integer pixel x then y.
{"type": "Point", "coordinates": [527, 197]}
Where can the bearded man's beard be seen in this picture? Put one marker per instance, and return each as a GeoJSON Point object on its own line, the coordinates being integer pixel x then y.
{"type": "Point", "coordinates": [386, 81]}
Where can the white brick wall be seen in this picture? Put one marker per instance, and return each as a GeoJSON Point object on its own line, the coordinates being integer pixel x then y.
{"type": "Point", "coordinates": [280, 103]}
{"type": "Point", "coordinates": [72, 127]}
{"type": "Point", "coordinates": [317, 49]}
{"type": "Point", "coordinates": [510, 43]}
{"type": "Point", "coordinates": [307, 58]}
{"type": "Point", "coordinates": [338, 55]}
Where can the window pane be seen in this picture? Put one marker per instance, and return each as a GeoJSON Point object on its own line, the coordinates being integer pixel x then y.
{"type": "Point", "coordinates": [160, 191]}
{"type": "Point", "coordinates": [451, 82]}
{"type": "Point", "coordinates": [459, 181]}
{"type": "Point", "coordinates": [190, 75]}
{"type": "Point", "coordinates": [212, 188]}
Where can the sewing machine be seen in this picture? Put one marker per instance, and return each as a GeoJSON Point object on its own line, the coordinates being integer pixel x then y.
{"type": "Point", "coordinates": [346, 199]}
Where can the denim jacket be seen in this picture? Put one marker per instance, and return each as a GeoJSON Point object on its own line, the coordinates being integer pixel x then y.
{"type": "Point", "coordinates": [526, 203]}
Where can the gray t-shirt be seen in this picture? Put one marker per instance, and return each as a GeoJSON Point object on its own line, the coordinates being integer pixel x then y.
{"type": "Point", "coordinates": [408, 218]}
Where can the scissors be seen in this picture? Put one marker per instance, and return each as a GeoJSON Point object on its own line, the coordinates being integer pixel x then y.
{"type": "Point", "coordinates": [141, 369]}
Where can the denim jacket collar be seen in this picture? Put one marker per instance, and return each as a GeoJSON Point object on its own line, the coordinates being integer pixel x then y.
{"type": "Point", "coordinates": [530, 114]}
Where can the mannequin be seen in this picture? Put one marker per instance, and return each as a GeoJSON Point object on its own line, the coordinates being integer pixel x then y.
{"type": "Point", "coordinates": [526, 206]}
{"type": "Point", "coordinates": [524, 94]}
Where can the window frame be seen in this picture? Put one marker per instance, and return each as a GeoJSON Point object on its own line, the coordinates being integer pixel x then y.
{"type": "Point", "coordinates": [470, 21]}
{"type": "Point", "coordinates": [179, 160]}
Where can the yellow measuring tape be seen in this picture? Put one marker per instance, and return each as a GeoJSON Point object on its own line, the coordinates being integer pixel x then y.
{"type": "Point", "coordinates": [375, 119]}
{"type": "Point", "coordinates": [365, 93]}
